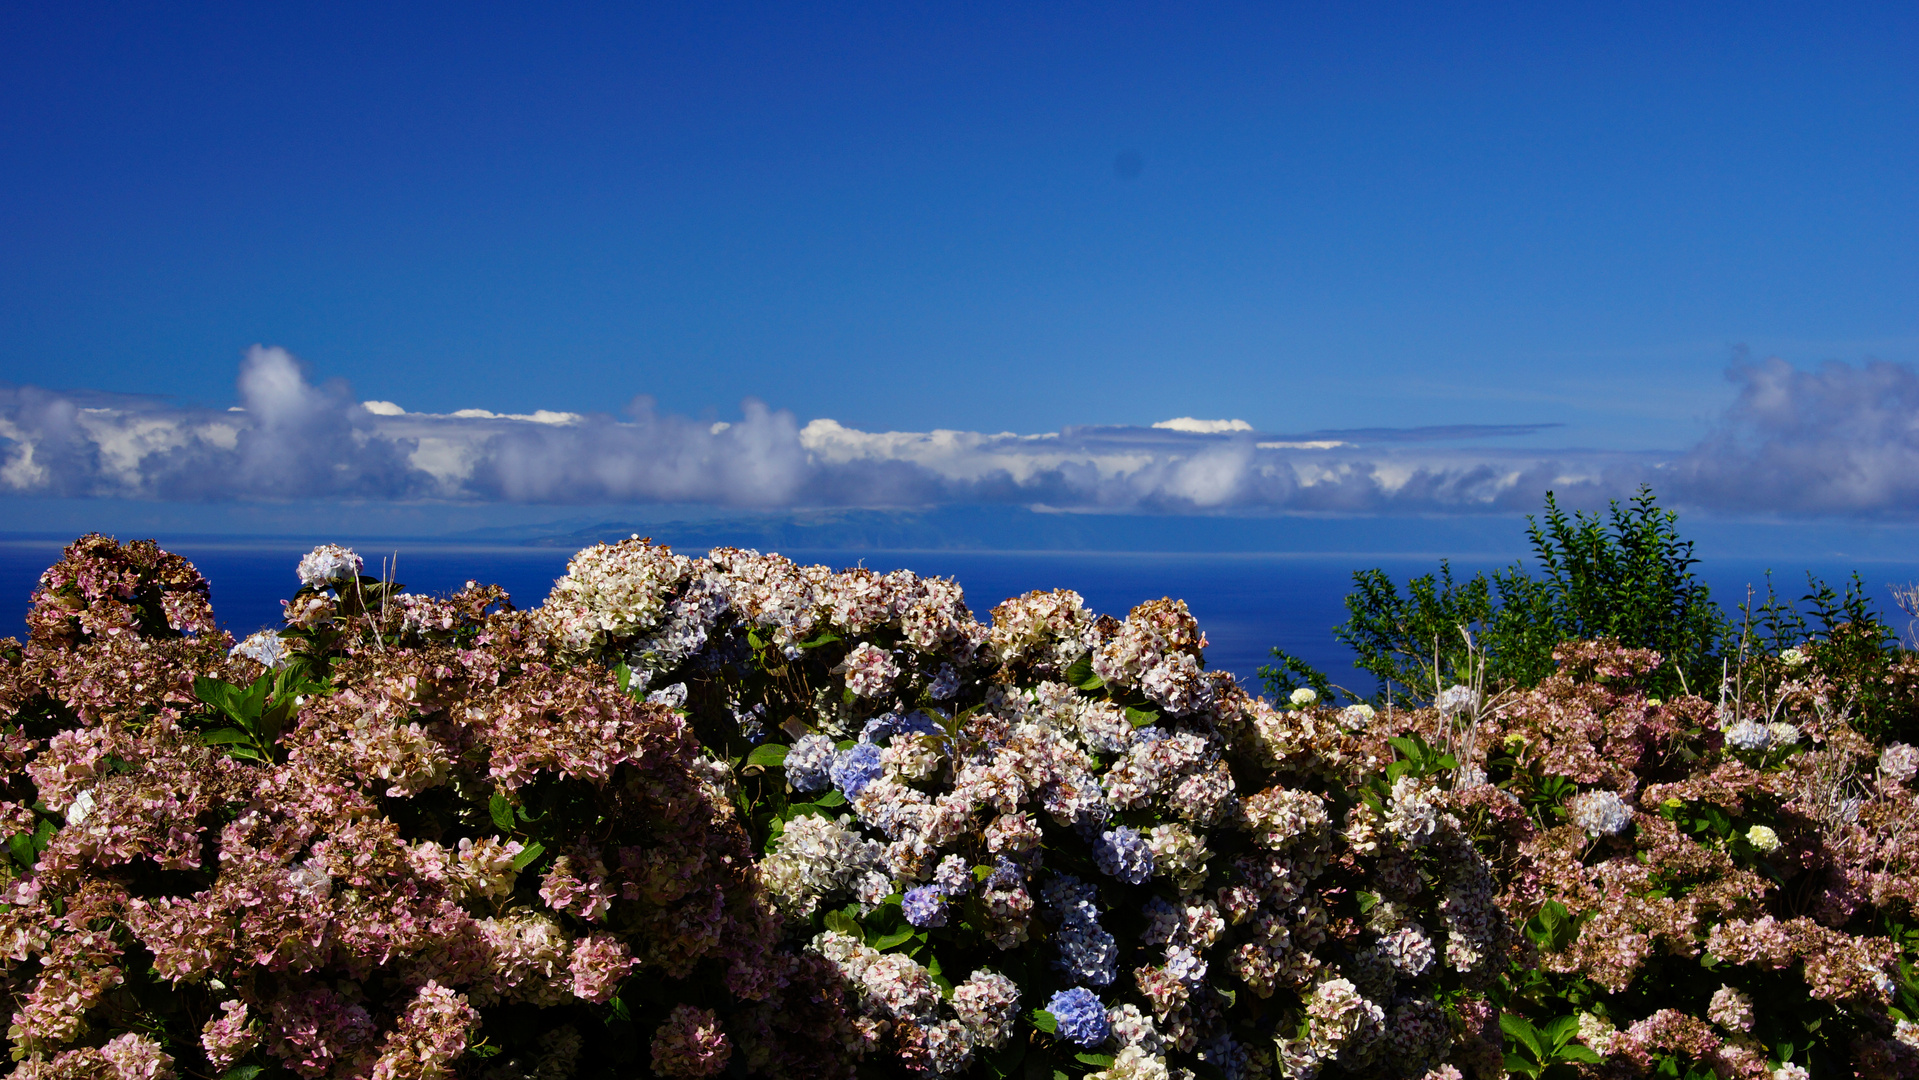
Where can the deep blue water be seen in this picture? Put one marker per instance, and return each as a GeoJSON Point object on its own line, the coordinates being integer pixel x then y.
{"type": "Point", "coordinates": [1245, 603]}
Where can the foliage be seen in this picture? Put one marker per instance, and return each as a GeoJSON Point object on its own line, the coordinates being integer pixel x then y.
{"type": "Point", "coordinates": [1626, 577]}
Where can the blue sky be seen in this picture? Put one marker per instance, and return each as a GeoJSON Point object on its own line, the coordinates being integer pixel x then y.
{"type": "Point", "coordinates": [980, 217]}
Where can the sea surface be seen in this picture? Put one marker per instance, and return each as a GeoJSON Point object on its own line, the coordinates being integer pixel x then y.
{"type": "Point", "coordinates": [1246, 603]}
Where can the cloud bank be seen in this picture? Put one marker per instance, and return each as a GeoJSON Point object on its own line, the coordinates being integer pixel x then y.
{"type": "Point", "coordinates": [1840, 440]}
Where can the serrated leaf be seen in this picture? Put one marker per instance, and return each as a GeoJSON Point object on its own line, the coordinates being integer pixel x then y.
{"type": "Point", "coordinates": [1044, 1020]}
{"type": "Point", "coordinates": [1561, 1030]}
{"type": "Point", "coordinates": [222, 736]}
{"type": "Point", "coordinates": [501, 811]}
{"type": "Point", "coordinates": [525, 858]}
{"type": "Point", "coordinates": [1141, 717]}
{"type": "Point", "coordinates": [767, 755]}
{"type": "Point", "coordinates": [214, 692]}
{"type": "Point", "coordinates": [831, 798]}
{"type": "Point", "coordinates": [1103, 1061]}
{"type": "Point", "coordinates": [824, 639]}
{"type": "Point", "coordinates": [841, 922]}
{"type": "Point", "coordinates": [619, 1009]}
{"type": "Point", "coordinates": [243, 1072]}
{"type": "Point", "coordinates": [1579, 1052]}
{"type": "Point", "coordinates": [20, 846]}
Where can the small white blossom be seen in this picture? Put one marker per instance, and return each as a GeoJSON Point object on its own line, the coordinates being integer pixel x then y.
{"type": "Point", "coordinates": [1763, 839]}
{"type": "Point", "coordinates": [1303, 697]}
{"type": "Point", "coordinates": [81, 807]}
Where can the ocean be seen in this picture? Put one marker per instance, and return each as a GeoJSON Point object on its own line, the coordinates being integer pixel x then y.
{"type": "Point", "coordinates": [1246, 603]}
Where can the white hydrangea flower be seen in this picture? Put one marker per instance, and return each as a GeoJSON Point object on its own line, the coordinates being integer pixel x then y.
{"type": "Point", "coordinates": [1303, 697]}
{"type": "Point", "coordinates": [1793, 658]}
{"type": "Point", "coordinates": [1458, 699]}
{"type": "Point", "coordinates": [1746, 735]}
{"type": "Point", "coordinates": [1763, 839]}
{"type": "Point", "coordinates": [328, 564]}
{"type": "Point", "coordinates": [1899, 762]}
{"type": "Point", "coordinates": [1356, 717]}
{"type": "Point", "coordinates": [81, 808]}
{"type": "Point", "coordinates": [264, 647]}
{"type": "Point", "coordinates": [1600, 813]}
{"type": "Point", "coordinates": [1783, 734]}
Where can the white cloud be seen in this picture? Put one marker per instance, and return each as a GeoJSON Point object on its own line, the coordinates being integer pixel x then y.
{"type": "Point", "coordinates": [1840, 440]}
{"type": "Point", "coordinates": [1203, 427]}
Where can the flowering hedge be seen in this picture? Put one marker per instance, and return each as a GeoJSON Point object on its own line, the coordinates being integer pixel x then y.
{"type": "Point", "coordinates": [735, 815]}
{"type": "Point", "coordinates": [1705, 888]}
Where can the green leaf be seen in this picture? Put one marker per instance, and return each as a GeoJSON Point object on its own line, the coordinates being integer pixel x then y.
{"type": "Point", "coordinates": [1517, 1028]}
{"type": "Point", "coordinates": [243, 1072]}
{"type": "Point", "coordinates": [831, 798]}
{"type": "Point", "coordinates": [501, 811]}
{"type": "Point", "coordinates": [525, 858]}
{"type": "Point", "coordinates": [897, 937]}
{"type": "Point", "coordinates": [1044, 1020]}
{"type": "Point", "coordinates": [214, 692]}
{"type": "Point", "coordinates": [1560, 1031]}
{"type": "Point", "coordinates": [1141, 717]}
{"type": "Point", "coordinates": [1519, 1066]}
{"type": "Point", "coordinates": [221, 736]}
{"type": "Point", "coordinates": [619, 1009]}
{"type": "Point", "coordinates": [1080, 670]}
{"type": "Point", "coordinates": [1579, 1052]}
{"type": "Point", "coordinates": [767, 755]}
{"type": "Point", "coordinates": [1102, 1061]}
{"type": "Point", "coordinates": [843, 923]}
{"type": "Point", "coordinates": [826, 638]}
{"type": "Point", "coordinates": [20, 845]}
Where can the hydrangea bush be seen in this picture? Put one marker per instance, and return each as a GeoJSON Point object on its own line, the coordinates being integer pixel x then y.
{"type": "Point", "coordinates": [418, 847]}
{"type": "Point", "coordinates": [1706, 888]}
{"type": "Point", "coordinates": [735, 816]}
{"type": "Point", "coordinates": [1058, 844]}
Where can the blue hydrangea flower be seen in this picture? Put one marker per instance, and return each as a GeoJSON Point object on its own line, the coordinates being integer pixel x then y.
{"type": "Point", "coordinates": [945, 684]}
{"type": "Point", "coordinates": [1122, 853]}
{"type": "Point", "coordinates": [1087, 953]}
{"type": "Point", "coordinates": [953, 876]}
{"type": "Point", "coordinates": [925, 906]}
{"type": "Point", "coordinates": [807, 764]}
{"type": "Point", "coordinates": [1006, 875]}
{"type": "Point", "coordinates": [1081, 1016]}
{"type": "Point", "coordinates": [856, 767]}
{"type": "Point", "coordinates": [882, 728]}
